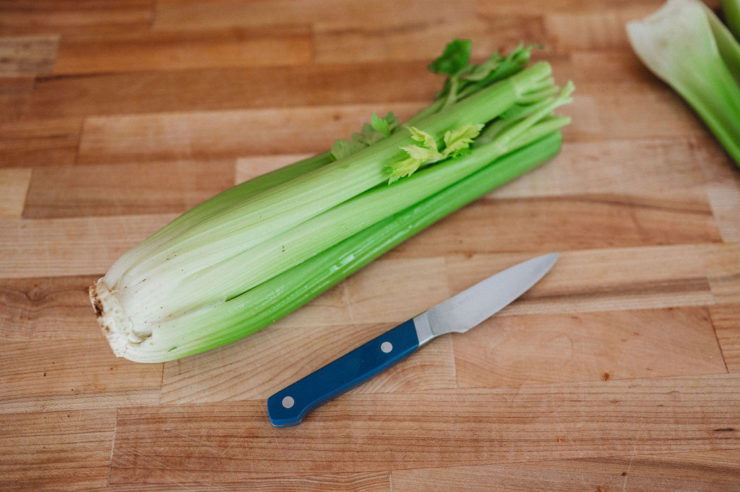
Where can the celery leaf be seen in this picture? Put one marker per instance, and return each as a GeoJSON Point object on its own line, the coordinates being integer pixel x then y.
{"type": "Point", "coordinates": [422, 137]}
{"type": "Point", "coordinates": [422, 154]}
{"type": "Point", "coordinates": [384, 125]}
{"type": "Point", "coordinates": [460, 138]}
{"type": "Point", "coordinates": [401, 169]}
{"type": "Point", "coordinates": [454, 60]}
{"type": "Point", "coordinates": [378, 129]}
{"type": "Point", "coordinates": [344, 148]}
{"type": "Point", "coordinates": [426, 151]}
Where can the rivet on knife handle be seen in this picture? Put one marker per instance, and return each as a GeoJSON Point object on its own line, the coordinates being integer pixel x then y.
{"type": "Point", "coordinates": [289, 406]}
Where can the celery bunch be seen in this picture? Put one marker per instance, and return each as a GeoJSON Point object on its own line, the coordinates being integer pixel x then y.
{"type": "Point", "coordinates": [686, 45]}
{"type": "Point", "coordinates": [250, 255]}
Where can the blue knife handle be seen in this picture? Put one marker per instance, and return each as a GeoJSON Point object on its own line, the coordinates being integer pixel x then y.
{"type": "Point", "coordinates": [289, 406]}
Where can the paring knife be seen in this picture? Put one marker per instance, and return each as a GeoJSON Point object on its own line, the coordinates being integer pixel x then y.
{"type": "Point", "coordinates": [459, 313]}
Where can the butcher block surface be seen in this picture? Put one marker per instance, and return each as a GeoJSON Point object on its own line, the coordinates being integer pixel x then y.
{"type": "Point", "coordinates": [619, 371]}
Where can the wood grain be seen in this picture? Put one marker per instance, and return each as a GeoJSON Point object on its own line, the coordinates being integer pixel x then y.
{"type": "Point", "coordinates": [251, 167]}
{"type": "Point", "coordinates": [57, 96]}
{"type": "Point", "coordinates": [25, 143]}
{"type": "Point", "coordinates": [612, 68]}
{"type": "Point", "coordinates": [70, 246]}
{"type": "Point", "coordinates": [513, 350]}
{"type": "Point", "coordinates": [13, 188]}
{"type": "Point", "coordinates": [602, 30]}
{"type": "Point", "coordinates": [560, 223]}
{"type": "Point", "coordinates": [207, 135]}
{"type": "Point", "coordinates": [44, 309]}
{"type": "Point", "coordinates": [363, 432]}
{"type": "Point", "coordinates": [725, 201]}
{"type": "Point", "coordinates": [618, 371]}
{"type": "Point", "coordinates": [192, 381]}
{"type": "Point", "coordinates": [603, 280]}
{"type": "Point", "coordinates": [363, 481]}
{"type": "Point", "coordinates": [27, 55]}
{"type": "Point", "coordinates": [723, 267]}
{"type": "Point", "coordinates": [74, 16]}
{"type": "Point", "coordinates": [608, 112]}
{"type": "Point", "coordinates": [705, 471]}
{"type": "Point", "coordinates": [15, 95]}
{"type": "Point", "coordinates": [726, 320]}
{"type": "Point", "coordinates": [191, 14]}
{"type": "Point", "coordinates": [54, 450]}
{"type": "Point", "coordinates": [416, 39]}
{"type": "Point", "coordinates": [617, 166]}
{"type": "Point", "coordinates": [488, 7]}
{"type": "Point", "coordinates": [38, 373]}
{"type": "Point", "coordinates": [174, 50]}
{"type": "Point", "coordinates": [125, 189]}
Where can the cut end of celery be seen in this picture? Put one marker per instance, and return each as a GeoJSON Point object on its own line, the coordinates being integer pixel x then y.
{"type": "Point", "coordinates": [114, 323]}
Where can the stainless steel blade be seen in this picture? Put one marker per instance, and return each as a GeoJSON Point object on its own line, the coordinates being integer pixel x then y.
{"type": "Point", "coordinates": [474, 305]}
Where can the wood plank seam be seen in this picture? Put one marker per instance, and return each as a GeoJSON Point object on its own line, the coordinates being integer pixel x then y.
{"type": "Point", "coordinates": [719, 345]}
{"type": "Point", "coordinates": [112, 448]}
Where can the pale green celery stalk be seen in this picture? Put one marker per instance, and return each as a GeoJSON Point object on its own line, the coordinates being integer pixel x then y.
{"type": "Point", "coordinates": [546, 126]}
{"type": "Point", "coordinates": [248, 269]}
{"type": "Point", "coordinates": [219, 203]}
{"type": "Point", "coordinates": [731, 13]}
{"type": "Point", "coordinates": [261, 217]}
{"type": "Point", "coordinates": [511, 118]}
{"type": "Point", "coordinates": [538, 95]}
{"type": "Point", "coordinates": [678, 45]}
{"type": "Point", "coordinates": [226, 322]}
{"type": "Point", "coordinates": [233, 195]}
{"type": "Point", "coordinates": [259, 184]}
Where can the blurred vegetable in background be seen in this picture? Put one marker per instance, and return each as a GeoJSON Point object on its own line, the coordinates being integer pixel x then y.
{"type": "Point", "coordinates": [686, 45]}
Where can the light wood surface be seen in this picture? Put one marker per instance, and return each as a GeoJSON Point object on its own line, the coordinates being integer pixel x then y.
{"type": "Point", "coordinates": [619, 371]}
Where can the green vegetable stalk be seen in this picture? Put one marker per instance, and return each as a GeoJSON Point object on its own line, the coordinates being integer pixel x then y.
{"type": "Point", "coordinates": [731, 12]}
{"type": "Point", "coordinates": [290, 290]}
{"type": "Point", "coordinates": [688, 47]}
{"type": "Point", "coordinates": [240, 261]}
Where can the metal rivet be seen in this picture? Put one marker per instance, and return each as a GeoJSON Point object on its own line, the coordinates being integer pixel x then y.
{"type": "Point", "coordinates": [288, 402]}
{"type": "Point", "coordinates": [386, 347]}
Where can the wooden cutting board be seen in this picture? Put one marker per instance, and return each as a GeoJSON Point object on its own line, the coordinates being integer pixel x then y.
{"type": "Point", "coordinates": [619, 371]}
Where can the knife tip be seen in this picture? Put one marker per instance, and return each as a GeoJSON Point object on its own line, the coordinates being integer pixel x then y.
{"type": "Point", "coordinates": [550, 259]}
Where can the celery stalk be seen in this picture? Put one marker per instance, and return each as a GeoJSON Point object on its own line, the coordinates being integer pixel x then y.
{"type": "Point", "coordinates": [280, 208]}
{"type": "Point", "coordinates": [731, 13]}
{"type": "Point", "coordinates": [257, 308]}
{"type": "Point", "coordinates": [243, 271]}
{"type": "Point", "coordinates": [220, 255]}
{"type": "Point", "coordinates": [727, 44]}
{"type": "Point", "coordinates": [221, 202]}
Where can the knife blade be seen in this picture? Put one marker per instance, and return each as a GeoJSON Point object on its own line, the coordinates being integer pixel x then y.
{"type": "Point", "coordinates": [458, 314]}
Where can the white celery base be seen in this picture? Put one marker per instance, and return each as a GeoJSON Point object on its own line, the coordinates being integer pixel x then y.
{"type": "Point", "coordinates": [115, 324]}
